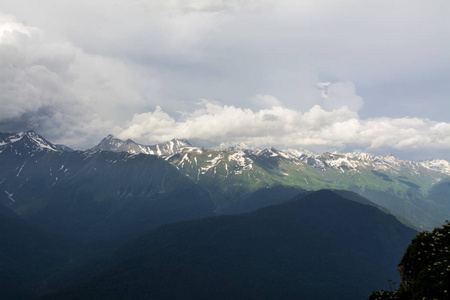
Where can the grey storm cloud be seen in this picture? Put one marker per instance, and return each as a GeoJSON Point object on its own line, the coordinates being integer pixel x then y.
{"type": "Point", "coordinates": [371, 75]}
{"type": "Point", "coordinates": [57, 88]}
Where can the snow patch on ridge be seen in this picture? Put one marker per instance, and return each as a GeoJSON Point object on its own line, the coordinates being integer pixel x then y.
{"type": "Point", "coordinates": [243, 162]}
{"type": "Point", "coordinates": [439, 165]}
{"type": "Point", "coordinates": [212, 163]}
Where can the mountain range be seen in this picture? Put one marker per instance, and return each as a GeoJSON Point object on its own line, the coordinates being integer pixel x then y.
{"type": "Point", "coordinates": [405, 187]}
{"type": "Point", "coordinates": [96, 208]}
{"type": "Point", "coordinates": [110, 143]}
{"type": "Point", "coordinates": [97, 195]}
{"type": "Point", "coordinates": [415, 191]}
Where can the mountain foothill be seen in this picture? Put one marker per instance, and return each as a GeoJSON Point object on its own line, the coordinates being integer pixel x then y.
{"type": "Point", "coordinates": [124, 220]}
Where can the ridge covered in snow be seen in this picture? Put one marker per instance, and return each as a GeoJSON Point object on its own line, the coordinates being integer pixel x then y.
{"type": "Point", "coordinates": [241, 155]}
{"type": "Point", "coordinates": [239, 170]}
{"type": "Point", "coordinates": [439, 165]}
{"type": "Point", "coordinates": [110, 143]}
{"type": "Point", "coordinates": [29, 142]}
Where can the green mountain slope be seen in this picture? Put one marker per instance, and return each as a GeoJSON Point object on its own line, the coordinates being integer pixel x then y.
{"type": "Point", "coordinates": [402, 186]}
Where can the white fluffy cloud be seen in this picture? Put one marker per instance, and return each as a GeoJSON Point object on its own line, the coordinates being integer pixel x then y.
{"type": "Point", "coordinates": [287, 127]}
{"type": "Point", "coordinates": [341, 94]}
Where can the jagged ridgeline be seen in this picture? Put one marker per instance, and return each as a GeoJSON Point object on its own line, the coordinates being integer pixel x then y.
{"type": "Point", "coordinates": [93, 196]}
{"type": "Point", "coordinates": [404, 187]}
{"type": "Point", "coordinates": [415, 191]}
{"type": "Point", "coordinates": [110, 143]}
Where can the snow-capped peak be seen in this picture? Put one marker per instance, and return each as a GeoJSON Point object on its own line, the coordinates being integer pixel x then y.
{"type": "Point", "coordinates": [298, 153]}
{"type": "Point", "coordinates": [110, 143]}
{"type": "Point", "coordinates": [440, 165]}
{"type": "Point", "coordinates": [27, 143]}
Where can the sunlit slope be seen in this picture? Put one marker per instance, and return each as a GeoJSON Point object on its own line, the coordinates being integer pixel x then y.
{"type": "Point", "coordinates": [402, 186]}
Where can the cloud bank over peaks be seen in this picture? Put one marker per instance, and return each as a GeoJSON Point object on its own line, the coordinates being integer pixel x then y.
{"type": "Point", "coordinates": [137, 69]}
{"type": "Point", "coordinates": [60, 90]}
{"type": "Point", "coordinates": [337, 128]}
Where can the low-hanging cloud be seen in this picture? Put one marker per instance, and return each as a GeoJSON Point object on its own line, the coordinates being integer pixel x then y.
{"type": "Point", "coordinates": [290, 128]}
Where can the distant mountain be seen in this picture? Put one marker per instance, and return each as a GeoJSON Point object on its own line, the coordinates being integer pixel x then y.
{"type": "Point", "coordinates": [416, 191]}
{"type": "Point", "coordinates": [439, 165]}
{"type": "Point", "coordinates": [64, 148]}
{"type": "Point", "coordinates": [440, 193]}
{"type": "Point", "coordinates": [27, 143]}
{"type": "Point", "coordinates": [110, 143]}
{"type": "Point", "coordinates": [402, 186]}
{"type": "Point", "coordinates": [27, 256]}
{"type": "Point", "coordinates": [100, 196]}
{"type": "Point", "coordinates": [319, 246]}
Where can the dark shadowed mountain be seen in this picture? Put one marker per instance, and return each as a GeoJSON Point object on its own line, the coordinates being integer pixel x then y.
{"type": "Point", "coordinates": [260, 198]}
{"type": "Point", "coordinates": [96, 196]}
{"type": "Point", "coordinates": [27, 256]}
{"type": "Point", "coordinates": [321, 246]}
{"type": "Point", "coordinates": [96, 200]}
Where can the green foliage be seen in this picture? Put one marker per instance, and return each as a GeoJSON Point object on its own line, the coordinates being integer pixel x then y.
{"type": "Point", "coordinates": [384, 295]}
{"type": "Point", "coordinates": [424, 268]}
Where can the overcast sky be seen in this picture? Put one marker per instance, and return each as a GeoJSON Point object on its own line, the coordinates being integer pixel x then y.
{"type": "Point", "coordinates": [323, 75]}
